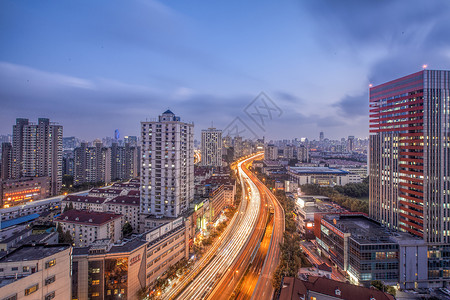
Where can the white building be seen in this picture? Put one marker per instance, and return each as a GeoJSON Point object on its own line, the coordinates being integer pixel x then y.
{"type": "Point", "coordinates": [36, 272]}
{"type": "Point", "coordinates": [212, 147]}
{"type": "Point", "coordinates": [167, 169]}
{"type": "Point", "coordinates": [323, 176]}
{"type": "Point", "coordinates": [84, 203]}
{"type": "Point", "coordinates": [270, 152]}
{"type": "Point", "coordinates": [87, 227]}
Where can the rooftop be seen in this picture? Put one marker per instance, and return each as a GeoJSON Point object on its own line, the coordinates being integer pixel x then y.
{"type": "Point", "coordinates": [33, 252]}
{"type": "Point", "coordinates": [86, 217]}
{"type": "Point", "coordinates": [362, 229]}
{"type": "Point", "coordinates": [317, 170]}
{"type": "Point", "coordinates": [123, 247]}
{"type": "Point", "coordinates": [294, 288]}
{"type": "Point", "coordinates": [106, 191]}
{"type": "Point", "coordinates": [125, 200]}
{"type": "Point", "coordinates": [84, 199]}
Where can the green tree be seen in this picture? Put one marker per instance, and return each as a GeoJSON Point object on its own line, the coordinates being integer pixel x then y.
{"type": "Point", "coordinates": [68, 207]}
{"type": "Point", "coordinates": [127, 229]}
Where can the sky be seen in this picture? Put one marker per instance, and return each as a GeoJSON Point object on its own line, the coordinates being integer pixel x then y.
{"type": "Point", "coordinates": [97, 66]}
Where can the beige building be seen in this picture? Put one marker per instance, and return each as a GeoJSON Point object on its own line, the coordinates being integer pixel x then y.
{"type": "Point", "coordinates": [128, 206]}
{"type": "Point", "coordinates": [84, 203]}
{"type": "Point", "coordinates": [109, 271]}
{"type": "Point", "coordinates": [36, 272]}
{"type": "Point", "coordinates": [86, 227]}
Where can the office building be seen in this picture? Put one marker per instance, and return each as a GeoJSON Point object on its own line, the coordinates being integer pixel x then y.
{"type": "Point", "coordinates": [211, 148]}
{"type": "Point", "coordinates": [36, 272]}
{"type": "Point", "coordinates": [323, 176]}
{"type": "Point", "coordinates": [409, 165]}
{"type": "Point", "coordinates": [37, 151]}
{"type": "Point", "coordinates": [167, 169]}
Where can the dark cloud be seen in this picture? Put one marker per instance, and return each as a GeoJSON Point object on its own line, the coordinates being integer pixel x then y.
{"type": "Point", "coordinates": [353, 106]}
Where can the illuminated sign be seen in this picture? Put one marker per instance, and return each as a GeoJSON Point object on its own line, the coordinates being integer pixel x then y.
{"type": "Point", "coordinates": [135, 259]}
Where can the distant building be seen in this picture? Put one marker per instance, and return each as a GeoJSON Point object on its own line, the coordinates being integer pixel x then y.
{"type": "Point", "coordinates": [323, 176]}
{"type": "Point", "coordinates": [15, 192]}
{"type": "Point", "coordinates": [36, 272]}
{"type": "Point", "coordinates": [350, 143]}
{"type": "Point", "coordinates": [86, 227]}
{"type": "Point", "coordinates": [321, 288]}
{"type": "Point", "coordinates": [321, 136]}
{"type": "Point", "coordinates": [167, 170]}
{"type": "Point", "coordinates": [211, 147]}
{"type": "Point", "coordinates": [37, 151]}
{"type": "Point", "coordinates": [270, 152]}
{"type": "Point", "coordinates": [303, 154]}
{"type": "Point", "coordinates": [6, 161]}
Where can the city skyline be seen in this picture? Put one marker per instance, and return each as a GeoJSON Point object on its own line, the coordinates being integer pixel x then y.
{"type": "Point", "coordinates": [100, 79]}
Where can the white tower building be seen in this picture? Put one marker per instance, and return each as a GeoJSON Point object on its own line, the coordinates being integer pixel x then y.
{"type": "Point", "coordinates": [167, 168]}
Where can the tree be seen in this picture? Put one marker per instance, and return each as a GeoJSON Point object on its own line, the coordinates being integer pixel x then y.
{"type": "Point", "coordinates": [64, 237]}
{"type": "Point", "coordinates": [68, 207]}
{"type": "Point", "coordinates": [379, 285]}
{"type": "Point", "coordinates": [127, 229]}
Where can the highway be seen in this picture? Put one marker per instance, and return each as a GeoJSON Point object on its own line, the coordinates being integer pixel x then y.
{"type": "Point", "coordinates": [218, 260]}
{"type": "Point", "coordinates": [264, 289]}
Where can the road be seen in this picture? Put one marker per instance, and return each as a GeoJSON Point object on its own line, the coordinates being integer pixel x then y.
{"type": "Point", "coordinates": [264, 289]}
{"type": "Point", "coordinates": [200, 286]}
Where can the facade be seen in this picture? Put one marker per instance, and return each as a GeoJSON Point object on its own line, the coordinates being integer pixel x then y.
{"type": "Point", "coordinates": [128, 206]}
{"type": "Point", "coordinates": [15, 192]}
{"type": "Point", "coordinates": [86, 227]}
{"type": "Point", "coordinates": [84, 203]}
{"type": "Point", "coordinates": [109, 271]}
{"type": "Point", "coordinates": [368, 251]}
{"type": "Point", "coordinates": [409, 164]}
{"type": "Point", "coordinates": [303, 154]}
{"type": "Point", "coordinates": [36, 272]}
{"type": "Point", "coordinates": [323, 176]}
{"type": "Point", "coordinates": [37, 151]}
{"type": "Point", "coordinates": [5, 164]}
{"type": "Point", "coordinates": [167, 169]}
{"type": "Point", "coordinates": [271, 152]}
{"type": "Point", "coordinates": [211, 147]}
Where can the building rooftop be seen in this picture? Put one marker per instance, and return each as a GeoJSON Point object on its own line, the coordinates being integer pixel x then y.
{"type": "Point", "coordinates": [85, 199]}
{"type": "Point", "coordinates": [33, 252]}
{"type": "Point", "coordinates": [132, 185]}
{"type": "Point", "coordinates": [122, 247]}
{"type": "Point", "coordinates": [125, 200]}
{"type": "Point", "coordinates": [362, 229]}
{"type": "Point", "coordinates": [86, 217]}
{"type": "Point", "coordinates": [317, 170]}
{"type": "Point", "coordinates": [106, 191]}
{"type": "Point", "coordinates": [294, 288]}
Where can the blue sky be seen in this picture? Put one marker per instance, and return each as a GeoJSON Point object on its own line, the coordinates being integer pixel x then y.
{"type": "Point", "coordinates": [94, 66]}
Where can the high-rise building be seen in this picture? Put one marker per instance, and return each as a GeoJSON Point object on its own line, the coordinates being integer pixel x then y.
{"type": "Point", "coordinates": [271, 152]}
{"type": "Point", "coordinates": [350, 143]}
{"type": "Point", "coordinates": [167, 168]}
{"type": "Point", "coordinates": [302, 153]}
{"type": "Point", "coordinates": [37, 151]}
{"type": "Point", "coordinates": [409, 164]}
{"type": "Point", "coordinates": [211, 147]}
{"type": "Point", "coordinates": [321, 136]}
{"type": "Point", "coordinates": [5, 171]}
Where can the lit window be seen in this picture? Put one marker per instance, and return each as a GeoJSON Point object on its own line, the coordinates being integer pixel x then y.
{"type": "Point", "coordinates": [31, 289]}
{"type": "Point", "coordinates": [96, 282]}
{"type": "Point", "coordinates": [50, 263]}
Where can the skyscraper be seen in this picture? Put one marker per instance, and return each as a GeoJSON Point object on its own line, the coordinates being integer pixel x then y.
{"type": "Point", "coordinates": [167, 168]}
{"type": "Point", "coordinates": [211, 147]}
{"type": "Point", "coordinates": [5, 171]}
{"type": "Point", "coordinates": [37, 151]}
{"type": "Point", "coordinates": [321, 136]}
{"type": "Point", "coordinates": [410, 161]}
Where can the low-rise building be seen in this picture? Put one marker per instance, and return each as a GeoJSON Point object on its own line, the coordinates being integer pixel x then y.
{"type": "Point", "coordinates": [36, 272]}
{"type": "Point", "coordinates": [321, 288]}
{"type": "Point", "coordinates": [15, 192]}
{"type": "Point", "coordinates": [84, 203]}
{"type": "Point", "coordinates": [128, 206]}
{"type": "Point", "coordinates": [322, 176]}
{"type": "Point", "coordinates": [109, 271]}
{"type": "Point", "coordinates": [86, 227]}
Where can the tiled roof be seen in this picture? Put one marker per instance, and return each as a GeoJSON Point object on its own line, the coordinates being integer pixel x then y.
{"type": "Point", "coordinates": [86, 217]}
{"type": "Point", "coordinates": [84, 199]}
{"type": "Point", "coordinates": [124, 200]}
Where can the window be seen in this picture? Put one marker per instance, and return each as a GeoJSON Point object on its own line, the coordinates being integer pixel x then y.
{"type": "Point", "coordinates": [96, 270]}
{"type": "Point", "coordinates": [50, 296]}
{"type": "Point", "coordinates": [50, 263]}
{"type": "Point", "coordinates": [96, 282]}
{"type": "Point", "coordinates": [31, 289]}
{"type": "Point", "coordinates": [12, 297]}
{"type": "Point", "coordinates": [14, 268]}
{"type": "Point", "coordinates": [26, 269]}
{"type": "Point", "coordinates": [50, 280]}
{"type": "Point", "coordinates": [95, 294]}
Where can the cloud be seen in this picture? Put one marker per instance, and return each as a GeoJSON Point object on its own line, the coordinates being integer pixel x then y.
{"type": "Point", "coordinates": [353, 106]}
